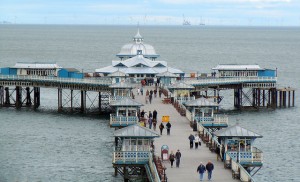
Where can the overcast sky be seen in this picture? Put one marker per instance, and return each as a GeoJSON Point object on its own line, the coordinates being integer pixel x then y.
{"type": "Point", "coordinates": [152, 12]}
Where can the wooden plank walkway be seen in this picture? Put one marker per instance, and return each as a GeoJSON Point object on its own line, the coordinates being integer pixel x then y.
{"type": "Point", "coordinates": [178, 139]}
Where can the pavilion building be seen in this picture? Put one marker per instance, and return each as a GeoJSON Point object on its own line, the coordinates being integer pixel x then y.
{"type": "Point", "coordinates": [138, 61]}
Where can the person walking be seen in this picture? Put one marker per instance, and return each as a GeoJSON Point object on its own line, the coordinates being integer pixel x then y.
{"type": "Point", "coordinates": [201, 170]}
{"type": "Point", "coordinates": [154, 122]}
{"type": "Point", "coordinates": [161, 127]}
{"type": "Point", "coordinates": [141, 90]}
{"type": "Point", "coordinates": [155, 114]}
{"type": "Point", "coordinates": [150, 122]}
{"type": "Point", "coordinates": [209, 168]}
{"type": "Point", "coordinates": [172, 158]}
{"type": "Point", "coordinates": [138, 91]}
{"type": "Point", "coordinates": [197, 140]}
{"type": "Point", "coordinates": [168, 125]}
{"type": "Point", "coordinates": [178, 156]}
{"type": "Point", "coordinates": [191, 138]}
{"type": "Point", "coordinates": [150, 98]}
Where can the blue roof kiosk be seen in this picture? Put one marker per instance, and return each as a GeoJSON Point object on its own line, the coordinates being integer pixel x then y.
{"type": "Point", "coordinates": [126, 112]}
{"type": "Point", "coordinates": [134, 153]}
{"type": "Point", "coordinates": [237, 150]}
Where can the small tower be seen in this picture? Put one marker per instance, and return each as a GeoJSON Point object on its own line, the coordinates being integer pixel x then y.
{"type": "Point", "coordinates": [138, 39]}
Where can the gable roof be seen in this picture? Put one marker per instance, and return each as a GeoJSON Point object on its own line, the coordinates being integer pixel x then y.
{"type": "Point", "coordinates": [125, 101]}
{"type": "Point", "coordinates": [236, 131]}
{"type": "Point", "coordinates": [136, 131]}
{"type": "Point", "coordinates": [237, 67]}
{"type": "Point", "coordinates": [201, 102]}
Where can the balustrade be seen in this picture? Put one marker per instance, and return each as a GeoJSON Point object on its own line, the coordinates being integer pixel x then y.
{"type": "Point", "coordinates": [131, 157]}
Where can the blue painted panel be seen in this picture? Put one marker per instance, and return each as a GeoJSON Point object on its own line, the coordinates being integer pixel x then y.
{"type": "Point", "coordinates": [267, 72]}
{"type": "Point", "coordinates": [4, 71]}
{"type": "Point", "coordinates": [63, 73]}
{"type": "Point", "coordinates": [8, 71]}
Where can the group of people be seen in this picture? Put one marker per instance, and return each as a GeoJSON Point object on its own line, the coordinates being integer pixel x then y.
{"type": "Point", "coordinates": [174, 157]}
{"type": "Point", "coordinates": [152, 119]}
{"type": "Point", "coordinates": [209, 168]}
{"type": "Point", "coordinates": [161, 128]}
{"type": "Point", "coordinates": [194, 139]}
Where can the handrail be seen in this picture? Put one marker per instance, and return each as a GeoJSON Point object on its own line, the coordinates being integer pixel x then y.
{"type": "Point", "coordinates": [241, 168]}
{"type": "Point", "coordinates": [210, 81]}
{"type": "Point", "coordinates": [106, 81]}
{"type": "Point", "coordinates": [153, 169]}
{"type": "Point", "coordinates": [214, 138]}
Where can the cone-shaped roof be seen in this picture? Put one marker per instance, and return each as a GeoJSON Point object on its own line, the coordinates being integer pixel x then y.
{"type": "Point", "coordinates": [237, 131]}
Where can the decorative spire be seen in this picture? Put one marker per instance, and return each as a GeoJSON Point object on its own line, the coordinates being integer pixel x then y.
{"type": "Point", "coordinates": [138, 38]}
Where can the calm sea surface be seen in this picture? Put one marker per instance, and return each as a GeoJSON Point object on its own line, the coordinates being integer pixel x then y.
{"type": "Point", "coordinates": [45, 145]}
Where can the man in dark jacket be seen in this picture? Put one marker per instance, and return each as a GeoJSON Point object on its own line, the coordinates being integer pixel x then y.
{"type": "Point", "coordinates": [201, 170]}
{"type": "Point", "coordinates": [155, 114]}
{"type": "Point", "coordinates": [168, 125]}
{"type": "Point", "coordinates": [209, 168]}
{"type": "Point", "coordinates": [191, 138]}
{"type": "Point", "coordinates": [178, 156]}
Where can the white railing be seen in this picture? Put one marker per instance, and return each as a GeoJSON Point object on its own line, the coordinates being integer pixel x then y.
{"type": "Point", "coordinates": [115, 98]}
{"type": "Point", "coordinates": [183, 100]}
{"type": "Point", "coordinates": [188, 115]}
{"type": "Point", "coordinates": [153, 169]}
{"type": "Point", "coordinates": [205, 131]}
{"type": "Point", "coordinates": [105, 81]}
{"type": "Point", "coordinates": [244, 175]}
{"type": "Point", "coordinates": [121, 120]}
{"type": "Point", "coordinates": [213, 81]}
{"type": "Point", "coordinates": [131, 156]}
{"type": "Point", "coordinates": [215, 120]}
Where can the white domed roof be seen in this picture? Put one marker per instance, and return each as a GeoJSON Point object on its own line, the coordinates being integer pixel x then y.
{"type": "Point", "coordinates": [130, 50]}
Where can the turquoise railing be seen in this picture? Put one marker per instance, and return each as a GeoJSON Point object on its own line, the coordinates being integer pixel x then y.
{"type": "Point", "coordinates": [131, 156]}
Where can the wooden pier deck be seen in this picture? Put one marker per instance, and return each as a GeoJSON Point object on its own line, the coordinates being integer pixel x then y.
{"type": "Point", "coordinates": [178, 139]}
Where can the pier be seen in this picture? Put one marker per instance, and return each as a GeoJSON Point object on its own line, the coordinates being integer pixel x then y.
{"type": "Point", "coordinates": [191, 104]}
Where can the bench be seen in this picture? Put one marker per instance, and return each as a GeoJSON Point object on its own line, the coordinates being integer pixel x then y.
{"type": "Point", "coordinates": [167, 101]}
{"type": "Point", "coordinates": [235, 174]}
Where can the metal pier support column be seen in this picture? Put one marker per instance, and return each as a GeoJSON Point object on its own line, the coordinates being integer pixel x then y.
{"type": "Point", "coordinates": [1, 96]}
{"type": "Point", "coordinates": [83, 101]}
{"type": "Point", "coordinates": [28, 98]}
{"type": "Point", "coordinates": [71, 99]}
{"type": "Point", "coordinates": [59, 95]}
{"type": "Point", "coordinates": [99, 105]}
{"type": "Point", "coordinates": [36, 97]}
{"type": "Point", "coordinates": [293, 101]}
{"type": "Point", "coordinates": [7, 99]}
{"type": "Point", "coordinates": [18, 97]}
{"type": "Point", "coordinates": [289, 99]}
